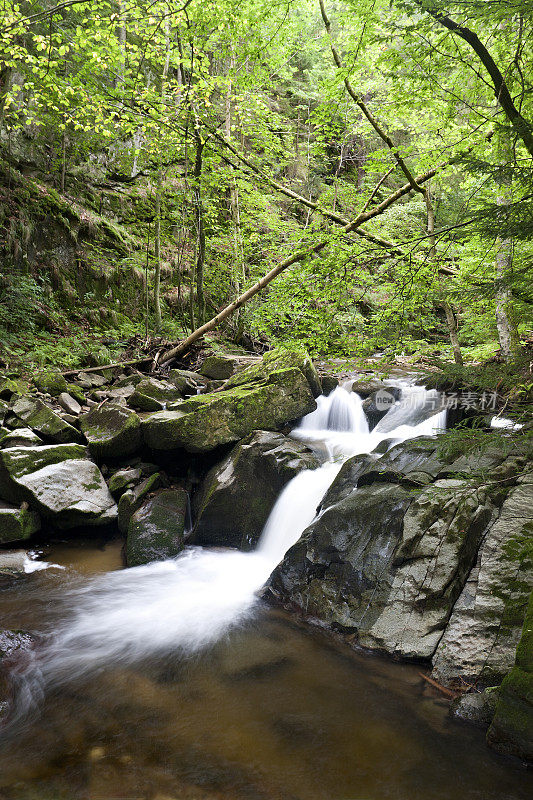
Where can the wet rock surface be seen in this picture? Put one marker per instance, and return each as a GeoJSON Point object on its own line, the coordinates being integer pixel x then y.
{"type": "Point", "coordinates": [236, 497]}
{"type": "Point", "coordinates": [156, 529]}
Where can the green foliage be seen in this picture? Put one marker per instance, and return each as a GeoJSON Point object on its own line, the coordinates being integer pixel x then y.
{"type": "Point", "coordinates": [21, 299]}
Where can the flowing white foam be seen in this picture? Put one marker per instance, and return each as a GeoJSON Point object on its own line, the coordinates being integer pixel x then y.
{"type": "Point", "coordinates": [188, 603]}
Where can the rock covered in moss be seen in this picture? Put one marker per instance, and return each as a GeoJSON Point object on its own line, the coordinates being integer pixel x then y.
{"type": "Point", "coordinates": [156, 529]}
{"type": "Point", "coordinates": [207, 421]}
{"type": "Point", "coordinates": [51, 382]}
{"type": "Point", "coordinates": [112, 431]}
{"type": "Point", "coordinates": [8, 388]}
{"type": "Point", "coordinates": [186, 381]}
{"type": "Point", "coordinates": [124, 479]}
{"type": "Point", "coordinates": [238, 494]}
{"type": "Point", "coordinates": [37, 416]}
{"type": "Point", "coordinates": [152, 395]}
{"type": "Point", "coordinates": [132, 499]}
{"type": "Point", "coordinates": [279, 359]}
{"type": "Point", "coordinates": [59, 482]}
{"type": "Point", "coordinates": [21, 437]}
{"type": "Point", "coordinates": [511, 731]}
{"type": "Point", "coordinates": [219, 367]}
{"type": "Point", "coordinates": [17, 522]}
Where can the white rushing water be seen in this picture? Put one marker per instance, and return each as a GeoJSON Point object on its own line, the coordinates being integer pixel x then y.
{"type": "Point", "coordinates": [187, 603]}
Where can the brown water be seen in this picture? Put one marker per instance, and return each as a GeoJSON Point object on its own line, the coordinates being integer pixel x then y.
{"type": "Point", "coordinates": [274, 712]}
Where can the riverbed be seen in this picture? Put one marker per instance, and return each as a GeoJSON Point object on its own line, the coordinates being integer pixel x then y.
{"type": "Point", "coordinates": [275, 711]}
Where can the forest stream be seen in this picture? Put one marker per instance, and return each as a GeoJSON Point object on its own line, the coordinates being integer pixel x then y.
{"type": "Point", "coordinates": [174, 680]}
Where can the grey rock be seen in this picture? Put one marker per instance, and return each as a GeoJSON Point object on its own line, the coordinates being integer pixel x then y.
{"type": "Point", "coordinates": [124, 479]}
{"type": "Point", "coordinates": [483, 632]}
{"type": "Point", "coordinates": [237, 495]}
{"type": "Point", "coordinates": [69, 404]}
{"type": "Point", "coordinates": [476, 707]}
{"type": "Point", "coordinates": [156, 530]}
{"type": "Point", "coordinates": [21, 437]}
{"type": "Point", "coordinates": [59, 482]}
{"type": "Point", "coordinates": [132, 499]}
{"type": "Point", "coordinates": [112, 431]}
{"type": "Point", "coordinates": [37, 416]}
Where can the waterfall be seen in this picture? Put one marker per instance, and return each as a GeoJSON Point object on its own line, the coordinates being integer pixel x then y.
{"type": "Point", "coordinates": [187, 603]}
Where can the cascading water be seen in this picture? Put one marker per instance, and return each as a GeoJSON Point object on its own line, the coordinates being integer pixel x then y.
{"type": "Point", "coordinates": [188, 603]}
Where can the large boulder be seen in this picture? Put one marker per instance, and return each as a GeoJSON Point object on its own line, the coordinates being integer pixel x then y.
{"type": "Point", "coordinates": [481, 637]}
{"type": "Point", "coordinates": [17, 522]}
{"type": "Point", "coordinates": [37, 416]}
{"type": "Point", "coordinates": [511, 731]}
{"type": "Point", "coordinates": [388, 560]}
{"type": "Point", "coordinates": [279, 359]}
{"type": "Point", "coordinates": [207, 421]}
{"type": "Point", "coordinates": [51, 382]}
{"type": "Point", "coordinates": [111, 430]}
{"type": "Point", "coordinates": [220, 367]}
{"type": "Point", "coordinates": [59, 482]}
{"type": "Point", "coordinates": [237, 495]}
{"type": "Point", "coordinates": [156, 530]}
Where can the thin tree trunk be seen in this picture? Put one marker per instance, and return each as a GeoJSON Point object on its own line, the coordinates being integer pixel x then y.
{"type": "Point", "coordinates": [159, 187]}
{"type": "Point", "coordinates": [450, 317]}
{"type": "Point", "coordinates": [157, 253]}
{"type": "Point", "coordinates": [200, 230]}
{"type": "Point", "coordinates": [506, 326]}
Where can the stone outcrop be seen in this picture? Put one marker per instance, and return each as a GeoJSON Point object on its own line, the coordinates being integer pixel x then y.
{"type": "Point", "coordinates": [132, 499]}
{"type": "Point", "coordinates": [237, 495]}
{"type": "Point", "coordinates": [388, 560]}
{"type": "Point", "coordinates": [205, 422]}
{"type": "Point", "coordinates": [59, 482]}
{"type": "Point", "coordinates": [484, 629]}
{"type": "Point", "coordinates": [156, 529]}
{"type": "Point", "coordinates": [112, 431]}
{"type": "Point", "coordinates": [511, 731]}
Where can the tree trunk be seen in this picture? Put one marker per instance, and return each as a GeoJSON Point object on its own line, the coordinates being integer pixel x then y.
{"type": "Point", "coordinates": [450, 317]}
{"type": "Point", "coordinates": [200, 231]}
{"type": "Point", "coordinates": [506, 326]}
{"type": "Point", "coordinates": [157, 253]}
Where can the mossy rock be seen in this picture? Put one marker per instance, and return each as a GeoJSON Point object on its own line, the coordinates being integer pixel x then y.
{"type": "Point", "coordinates": [219, 367]}
{"type": "Point", "coordinates": [152, 395]}
{"type": "Point", "coordinates": [112, 431]}
{"type": "Point", "coordinates": [8, 388]}
{"type": "Point", "coordinates": [156, 530]}
{"type": "Point", "coordinates": [124, 479]}
{"type": "Point", "coordinates": [511, 731]}
{"type": "Point", "coordinates": [76, 392]}
{"type": "Point", "coordinates": [37, 416]}
{"type": "Point", "coordinates": [51, 383]}
{"type": "Point", "coordinates": [275, 360]}
{"type": "Point", "coordinates": [20, 437]}
{"type": "Point", "coordinates": [59, 482]}
{"type": "Point", "coordinates": [204, 422]}
{"type": "Point", "coordinates": [17, 523]}
{"type": "Point", "coordinates": [132, 499]}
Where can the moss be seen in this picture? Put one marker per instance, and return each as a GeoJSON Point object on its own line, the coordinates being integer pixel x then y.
{"type": "Point", "coordinates": [40, 418]}
{"type": "Point", "coordinates": [111, 431]}
{"type": "Point", "coordinates": [511, 730]}
{"type": "Point", "coordinates": [76, 392]}
{"type": "Point", "coordinates": [51, 382]}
